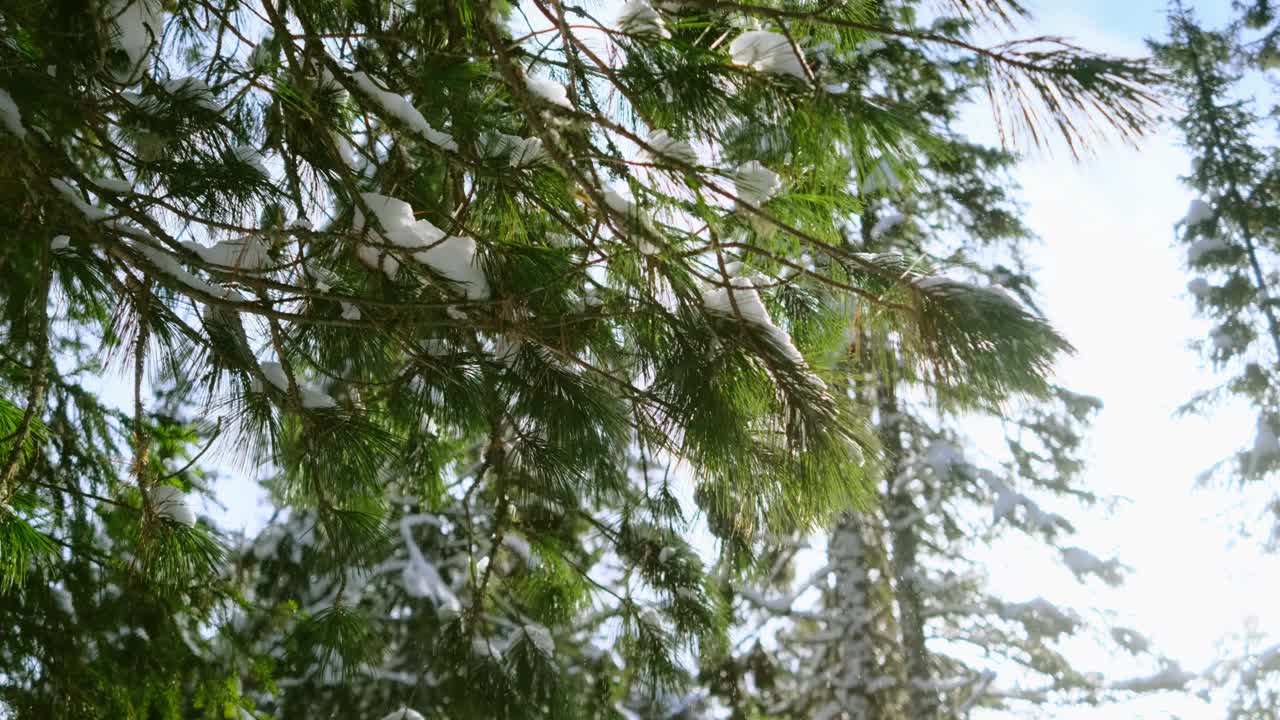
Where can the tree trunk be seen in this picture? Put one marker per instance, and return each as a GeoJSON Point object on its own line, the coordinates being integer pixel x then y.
{"type": "Point", "coordinates": [922, 700]}
{"type": "Point", "coordinates": [866, 674]}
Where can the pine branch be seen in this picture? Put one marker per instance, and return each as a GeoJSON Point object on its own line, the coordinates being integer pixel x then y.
{"type": "Point", "coordinates": [141, 456]}
{"type": "Point", "coordinates": [36, 388]}
{"type": "Point", "coordinates": [1050, 72]}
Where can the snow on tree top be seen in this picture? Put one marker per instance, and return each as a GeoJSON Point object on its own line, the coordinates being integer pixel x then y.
{"type": "Point", "coordinates": [1082, 563]}
{"type": "Point", "coordinates": [309, 395]}
{"type": "Point", "coordinates": [10, 116]}
{"type": "Point", "coordinates": [452, 257]}
{"type": "Point", "coordinates": [323, 278]}
{"type": "Point", "coordinates": [1225, 339]}
{"type": "Point", "coordinates": [399, 107]}
{"type": "Point", "coordinates": [496, 144]}
{"type": "Point", "coordinates": [139, 25]}
{"type": "Point", "coordinates": [1041, 617]}
{"type": "Point", "coordinates": [195, 89]}
{"type": "Point", "coordinates": [619, 203]}
{"type": "Point", "coordinates": [623, 204]}
{"type": "Point", "coordinates": [743, 301]}
{"type": "Point", "coordinates": [1267, 661]}
{"type": "Point", "coordinates": [625, 712]}
{"type": "Point", "coordinates": [1203, 246]}
{"type": "Point", "coordinates": [638, 17]}
{"type": "Point", "coordinates": [247, 253]}
{"type": "Point", "coordinates": [170, 502]}
{"type": "Point", "coordinates": [549, 90]}
{"type": "Point", "coordinates": [169, 265]}
{"type": "Point", "coordinates": [392, 213]}
{"type": "Point", "coordinates": [664, 146]}
{"type": "Point", "coordinates": [69, 192]}
{"type": "Point", "coordinates": [145, 103]}
{"type": "Point", "coordinates": [1198, 212]}
{"type": "Point", "coordinates": [115, 185]}
{"type": "Point", "coordinates": [756, 184]}
{"type": "Point", "coordinates": [522, 152]}
{"type": "Point", "coordinates": [275, 374]}
{"type": "Point", "coordinates": [417, 235]}
{"type": "Point", "coordinates": [421, 579]}
{"type": "Point", "coordinates": [1131, 640]}
{"type": "Point", "coordinates": [768, 52]}
{"type": "Point", "coordinates": [1265, 442]}
{"type": "Point", "coordinates": [455, 259]}
{"type": "Point", "coordinates": [313, 398]}
{"type": "Point", "coordinates": [528, 152]}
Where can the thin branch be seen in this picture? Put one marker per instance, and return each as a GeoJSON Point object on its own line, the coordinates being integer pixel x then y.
{"type": "Point", "coordinates": [39, 381]}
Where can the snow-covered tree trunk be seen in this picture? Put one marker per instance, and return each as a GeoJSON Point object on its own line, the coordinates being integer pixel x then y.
{"type": "Point", "coordinates": [903, 514]}
{"type": "Point", "coordinates": [865, 682]}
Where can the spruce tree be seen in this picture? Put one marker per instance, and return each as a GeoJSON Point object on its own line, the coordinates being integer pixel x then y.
{"type": "Point", "coordinates": [1231, 236]}
{"type": "Point", "coordinates": [1229, 231]}
{"type": "Point", "coordinates": [473, 294]}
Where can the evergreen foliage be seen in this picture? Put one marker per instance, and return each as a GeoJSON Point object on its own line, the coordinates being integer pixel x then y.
{"type": "Point", "coordinates": [474, 290]}
{"type": "Point", "coordinates": [1232, 243]}
{"type": "Point", "coordinates": [1229, 230]}
{"type": "Point", "coordinates": [899, 622]}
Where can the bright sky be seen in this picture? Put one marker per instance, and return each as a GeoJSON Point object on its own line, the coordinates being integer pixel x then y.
{"type": "Point", "coordinates": [1114, 284]}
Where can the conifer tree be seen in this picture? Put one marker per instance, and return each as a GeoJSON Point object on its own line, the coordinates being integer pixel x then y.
{"type": "Point", "coordinates": [468, 290]}
{"type": "Point", "coordinates": [1231, 235]}
{"type": "Point", "coordinates": [898, 623]}
{"type": "Point", "coordinates": [1229, 231]}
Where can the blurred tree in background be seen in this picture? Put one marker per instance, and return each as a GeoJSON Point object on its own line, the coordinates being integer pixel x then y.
{"type": "Point", "coordinates": [1231, 235]}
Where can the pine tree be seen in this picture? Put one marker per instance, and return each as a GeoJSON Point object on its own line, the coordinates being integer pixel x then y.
{"type": "Point", "coordinates": [1229, 230]}
{"type": "Point", "coordinates": [898, 623]}
{"type": "Point", "coordinates": [473, 297]}
{"type": "Point", "coordinates": [1231, 240]}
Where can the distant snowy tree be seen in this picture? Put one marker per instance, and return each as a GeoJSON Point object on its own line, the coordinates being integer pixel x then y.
{"type": "Point", "coordinates": [1231, 228]}
{"type": "Point", "coordinates": [1231, 234]}
{"type": "Point", "coordinates": [898, 623]}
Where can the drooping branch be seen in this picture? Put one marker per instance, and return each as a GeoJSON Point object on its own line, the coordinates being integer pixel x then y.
{"type": "Point", "coordinates": [1031, 77]}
